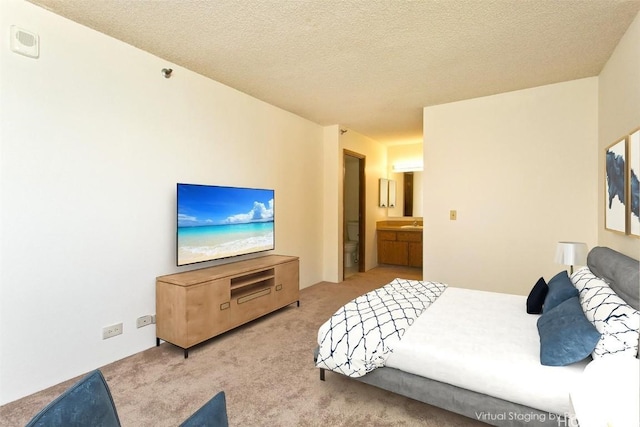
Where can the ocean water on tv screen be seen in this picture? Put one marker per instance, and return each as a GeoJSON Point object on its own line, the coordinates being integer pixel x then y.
{"type": "Point", "coordinates": [196, 244]}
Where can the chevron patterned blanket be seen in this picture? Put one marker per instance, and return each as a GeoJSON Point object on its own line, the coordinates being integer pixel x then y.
{"type": "Point", "coordinates": [360, 336]}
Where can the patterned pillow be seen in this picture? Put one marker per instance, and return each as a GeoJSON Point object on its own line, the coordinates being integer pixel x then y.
{"type": "Point", "coordinates": [582, 277]}
{"type": "Point", "coordinates": [617, 321]}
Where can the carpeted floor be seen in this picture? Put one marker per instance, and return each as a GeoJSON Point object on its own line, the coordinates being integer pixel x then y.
{"type": "Point", "coordinates": [266, 370]}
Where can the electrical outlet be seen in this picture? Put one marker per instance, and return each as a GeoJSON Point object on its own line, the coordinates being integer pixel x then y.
{"type": "Point", "coordinates": [145, 320]}
{"type": "Point", "coordinates": [111, 331]}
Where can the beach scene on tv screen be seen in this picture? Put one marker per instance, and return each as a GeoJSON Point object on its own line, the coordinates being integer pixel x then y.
{"type": "Point", "coordinates": [221, 222]}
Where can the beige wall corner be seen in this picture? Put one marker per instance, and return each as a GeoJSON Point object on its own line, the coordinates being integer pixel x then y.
{"type": "Point", "coordinates": [618, 115]}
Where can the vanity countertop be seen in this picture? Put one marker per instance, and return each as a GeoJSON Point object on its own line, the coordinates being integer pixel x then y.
{"type": "Point", "coordinates": [399, 226]}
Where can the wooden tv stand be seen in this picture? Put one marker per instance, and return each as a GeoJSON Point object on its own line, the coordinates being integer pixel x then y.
{"type": "Point", "coordinates": [194, 306]}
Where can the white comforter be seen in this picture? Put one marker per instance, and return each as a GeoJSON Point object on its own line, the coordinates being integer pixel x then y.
{"type": "Point", "coordinates": [485, 342]}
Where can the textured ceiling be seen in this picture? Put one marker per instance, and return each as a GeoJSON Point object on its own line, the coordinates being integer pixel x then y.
{"type": "Point", "coordinates": [369, 65]}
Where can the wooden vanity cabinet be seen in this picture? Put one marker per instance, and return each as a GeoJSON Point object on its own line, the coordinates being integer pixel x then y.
{"type": "Point", "coordinates": [390, 250]}
{"type": "Point", "coordinates": [400, 247]}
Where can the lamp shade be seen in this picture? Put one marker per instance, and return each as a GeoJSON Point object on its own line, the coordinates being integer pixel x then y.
{"type": "Point", "coordinates": [571, 253]}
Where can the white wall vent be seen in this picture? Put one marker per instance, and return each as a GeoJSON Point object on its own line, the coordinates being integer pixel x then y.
{"type": "Point", "coordinates": [24, 42]}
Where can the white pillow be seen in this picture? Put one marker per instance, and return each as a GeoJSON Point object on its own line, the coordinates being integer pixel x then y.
{"type": "Point", "coordinates": [617, 321]}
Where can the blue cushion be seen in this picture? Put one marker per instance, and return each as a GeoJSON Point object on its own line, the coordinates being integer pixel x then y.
{"type": "Point", "coordinates": [560, 289]}
{"type": "Point", "coordinates": [87, 403]}
{"type": "Point", "coordinates": [536, 297]}
{"type": "Point", "coordinates": [212, 414]}
{"type": "Point", "coordinates": [566, 336]}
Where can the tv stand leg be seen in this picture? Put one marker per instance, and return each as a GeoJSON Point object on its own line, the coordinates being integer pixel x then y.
{"type": "Point", "coordinates": [186, 353]}
{"type": "Point", "coordinates": [321, 374]}
{"type": "Point", "coordinates": [298, 303]}
{"type": "Point", "coordinates": [157, 342]}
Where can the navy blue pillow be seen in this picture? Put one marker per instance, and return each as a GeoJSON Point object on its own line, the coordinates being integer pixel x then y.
{"type": "Point", "coordinates": [87, 403]}
{"type": "Point", "coordinates": [560, 289]}
{"type": "Point", "coordinates": [566, 335]}
{"type": "Point", "coordinates": [536, 297]}
{"type": "Point", "coordinates": [212, 414]}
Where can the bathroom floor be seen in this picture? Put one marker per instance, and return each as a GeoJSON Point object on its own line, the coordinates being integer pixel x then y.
{"type": "Point", "coordinates": [350, 271]}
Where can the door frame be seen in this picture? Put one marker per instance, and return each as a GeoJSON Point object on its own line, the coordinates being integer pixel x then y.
{"type": "Point", "coordinates": [362, 192]}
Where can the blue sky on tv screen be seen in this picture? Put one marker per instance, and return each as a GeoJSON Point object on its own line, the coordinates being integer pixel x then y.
{"type": "Point", "coordinates": [200, 205]}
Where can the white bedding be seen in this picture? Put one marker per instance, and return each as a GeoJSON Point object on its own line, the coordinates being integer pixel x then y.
{"type": "Point", "coordinates": [485, 342]}
{"type": "Point", "coordinates": [360, 336]}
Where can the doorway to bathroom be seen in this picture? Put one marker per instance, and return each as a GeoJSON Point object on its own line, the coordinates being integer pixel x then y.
{"type": "Point", "coordinates": [353, 213]}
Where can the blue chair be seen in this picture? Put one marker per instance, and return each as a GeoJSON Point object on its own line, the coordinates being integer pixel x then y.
{"type": "Point", "coordinates": [212, 414]}
{"type": "Point", "coordinates": [88, 403]}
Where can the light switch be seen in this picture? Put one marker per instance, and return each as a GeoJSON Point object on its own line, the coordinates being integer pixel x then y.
{"type": "Point", "coordinates": [453, 215]}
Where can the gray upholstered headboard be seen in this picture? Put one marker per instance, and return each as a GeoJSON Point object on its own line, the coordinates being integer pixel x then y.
{"type": "Point", "coordinates": [621, 271]}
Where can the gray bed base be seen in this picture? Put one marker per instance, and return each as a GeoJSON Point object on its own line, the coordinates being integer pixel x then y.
{"type": "Point", "coordinates": [622, 273]}
{"type": "Point", "coordinates": [478, 406]}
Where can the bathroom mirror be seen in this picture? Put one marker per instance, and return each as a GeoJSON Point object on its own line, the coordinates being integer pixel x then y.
{"type": "Point", "coordinates": [408, 194]}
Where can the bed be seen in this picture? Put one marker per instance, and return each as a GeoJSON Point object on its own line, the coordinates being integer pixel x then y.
{"type": "Point", "coordinates": [498, 363]}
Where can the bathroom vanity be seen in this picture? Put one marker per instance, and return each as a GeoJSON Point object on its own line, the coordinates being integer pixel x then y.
{"type": "Point", "coordinates": [400, 243]}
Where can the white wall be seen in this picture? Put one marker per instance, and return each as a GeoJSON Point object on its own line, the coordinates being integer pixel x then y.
{"type": "Point", "coordinates": [520, 168]}
{"type": "Point", "coordinates": [332, 225]}
{"type": "Point", "coordinates": [619, 114]}
{"type": "Point", "coordinates": [93, 142]}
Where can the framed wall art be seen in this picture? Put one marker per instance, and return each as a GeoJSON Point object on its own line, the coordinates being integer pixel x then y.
{"type": "Point", "coordinates": [615, 212]}
{"type": "Point", "coordinates": [633, 186]}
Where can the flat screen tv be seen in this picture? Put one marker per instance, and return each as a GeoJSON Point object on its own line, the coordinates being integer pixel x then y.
{"type": "Point", "coordinates": [216, 222]}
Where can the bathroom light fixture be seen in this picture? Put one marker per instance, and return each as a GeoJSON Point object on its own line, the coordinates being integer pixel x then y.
{"type": "Point", "coordinates": [408, 167]}
{"type": "Point", "coordinates": [571, 253]}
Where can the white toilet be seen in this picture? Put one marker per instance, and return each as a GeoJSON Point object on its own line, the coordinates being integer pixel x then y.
{"type": "Point", "coordinates": [351, 245]}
